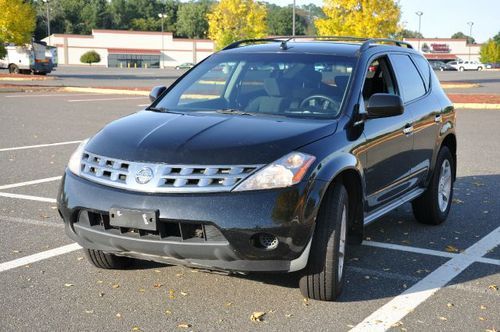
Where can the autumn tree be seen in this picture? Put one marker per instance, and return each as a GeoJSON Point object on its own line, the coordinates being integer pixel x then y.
{"type": "Point", "coordinates": [232, 20]}
{"type": "Point", "coordinates": [360, 18]}
{"type": "Point", "coordinates": [490, 52]}
{"type": "Point", "coordinates": [17, 21]}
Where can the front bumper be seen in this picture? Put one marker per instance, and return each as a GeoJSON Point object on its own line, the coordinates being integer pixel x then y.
{"type": "Point", "coordinates": [229, 221]}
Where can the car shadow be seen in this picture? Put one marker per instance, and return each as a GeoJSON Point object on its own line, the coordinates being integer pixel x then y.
{"type": "Point", "coordinates": [375, 273]}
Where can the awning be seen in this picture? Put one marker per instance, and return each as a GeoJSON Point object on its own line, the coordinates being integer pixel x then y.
{"type": "Point", "coordinates": [440, 56]}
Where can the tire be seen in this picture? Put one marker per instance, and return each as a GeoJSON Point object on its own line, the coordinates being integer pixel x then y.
{"type": "Point", "coordinates": [433, 206]}
{"type": "Point", "coordinates": [479, 68]}
{"type": "Point", "coordinates": [461, 69]}
{"type": "Point", "coordinates": [323, 276]}
{"type": "Point", "coordinates": [107, 261]}
{"type": "Point", "coordinates": [13, 69]}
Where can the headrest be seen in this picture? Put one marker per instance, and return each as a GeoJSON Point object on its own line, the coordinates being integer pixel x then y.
{"type": "Point", "coordinates": [341, 81]}
{"type": "Point", "coordinates": [309, 77]}
{"type": "Point", "coordinates": [272, 87]}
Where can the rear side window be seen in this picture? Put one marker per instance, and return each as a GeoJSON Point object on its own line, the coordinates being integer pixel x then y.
{"type": "Point", "coordinates": [410, 83]}
{"type": "Point", "coordinates": [423, 66]}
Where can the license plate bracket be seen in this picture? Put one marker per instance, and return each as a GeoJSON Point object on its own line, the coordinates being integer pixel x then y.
{"type": "Point", "coordinates": [134, 218]}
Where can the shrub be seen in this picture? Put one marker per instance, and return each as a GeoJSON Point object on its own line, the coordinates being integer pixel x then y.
{"type": "Point", "coordinates": [90, 57]}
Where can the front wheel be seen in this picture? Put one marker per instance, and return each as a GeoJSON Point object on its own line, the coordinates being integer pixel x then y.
{"type": "Point", "coordinates": [324, 275]}
{"type": "Point", "coordinates": [103, 260]}
{"type": "Point", "coordinates": [13, 69]}
{"type": "Point", "coordinates": [479, 68]}
{"type": "Point", "coordinates": [434, 205]}
{"type": "Point", "coordinates": [461, 69]}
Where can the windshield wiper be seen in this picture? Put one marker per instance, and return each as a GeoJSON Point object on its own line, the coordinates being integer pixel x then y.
{"type": "Point", "coordinates": [233, 111]}
{"type": "Point", "coordinates": [162, 110]}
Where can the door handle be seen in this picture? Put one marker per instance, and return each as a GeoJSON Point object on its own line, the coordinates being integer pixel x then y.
{"type": "Point", "coordinates": [408, 129]}
{"type": "Point", "coordinates": [438, 118]}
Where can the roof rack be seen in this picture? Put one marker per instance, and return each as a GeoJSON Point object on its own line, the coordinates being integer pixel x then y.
{"type": "Point", "coordinates": [284, 39]}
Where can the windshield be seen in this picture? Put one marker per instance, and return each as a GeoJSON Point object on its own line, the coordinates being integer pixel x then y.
{"type": "Point", "coordinates": [299, 85]}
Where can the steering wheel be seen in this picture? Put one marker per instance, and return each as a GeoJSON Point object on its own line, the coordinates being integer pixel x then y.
{"type": "Point", "coordinates": [320, 103]}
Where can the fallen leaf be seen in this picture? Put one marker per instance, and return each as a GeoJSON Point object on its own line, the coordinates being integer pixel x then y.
{"type": "Point", "coordinates": [288, 315]}
{"type": "Point", "coordinates": [89, 311]}
{"type": "Point", "coordinates": [157, 271]}
{"type": "Point", "coordinates": [305, 302]}
{"type": "Point", "coordinates": [478, 184]}
{"type": "Point", "coordinates": [457, 201]}
{"type": "Point", "coordinates": [136, 328]}
{"type": "Point", "coordinates": [157, 285]}
{"type": "Point", "coordinates": [119, 315]}
{"type": "Point", "coordinates": [482, 307]}
{"type": "Point", "coordinates": [228, 304]}
{"type": "Point", "coordinates": [168, 312]}
{"type": "Point", "coordinates": [184, 293]}
{"type": "Point", "coordinates": [184, 325]}
{"type": "Point", "coordinates": [449, 305]}
{"type": "Point", "coordinates": [397, 324]}
{"type": "Point", "coordinates": [171, 294]}
{"type": "Point", "coordinates": [482, 318]}
{"type": "Point", "coordinates": [406, 241]}
{"type": "Point", "coordinates": [493, 287]}
{"type": "Point", "coordinates": [115, 286]}
{"type": "Point", "coordinates": [101, 294]}
{"type": "Point", "coordinates": [99, 281]}
{"type": "Point", "coordinates": [442, 318]}
{"type": "Point", "coordinates": [450, 248]}
{"type": "Point", "coordinates": [367, 277]}
{"type": "Point", "coordinates": [68, 285]}
{"type": "Point", "coordinates": [16, 251]}
{"type": "Point", "coordinates": [491, 330]}
{"type": "Point", "coordinates": [142, 290]}
{"type": "Point", "coordinates": [79, 258]}
{"type": "Point", "coordinates": [257, 316]}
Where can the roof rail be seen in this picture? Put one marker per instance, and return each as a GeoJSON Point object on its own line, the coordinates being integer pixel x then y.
{"type": "Point", "coordinates": [284, 39]}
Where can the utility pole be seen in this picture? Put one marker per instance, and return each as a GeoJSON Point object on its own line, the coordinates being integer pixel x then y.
{"type": "Point", "coordinates": [162, 16]}
{"type": "Point", "coordinates": [419, 13]}
{"type": "Point", "coordinates": [293, 19]}
{"type": "Point", "coordinates": [48, 19]}
{"type": "Point", "coordinates": [470, 24]}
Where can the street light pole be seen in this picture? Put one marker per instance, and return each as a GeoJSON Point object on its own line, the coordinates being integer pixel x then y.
{"type": "Point", "coordinates": [293, 19]}
{"type": "Point", "coordinates": [470, 35]}
{"type": "Point", "coordinates": [48, 19]}
{"type": "Point", "coordinates": [419, 13]}
{"type": "Point", "coordinates": [162, 16]}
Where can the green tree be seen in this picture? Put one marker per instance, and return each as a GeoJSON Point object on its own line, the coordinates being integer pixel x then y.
{"type": "Point", "coordinates": [17, 21]}
{"type": "Point", "coordinates": [192, 21]}
{"type": "Point", "coordinates": [359, 18]}
{"type": "Point", "coordinates": [90, 57]}
{"type": "Point", "coordinates": [405, 33]}
{"type": "Point", "coordinates": [490, 52]}
{"type": "Point", "coordinates": [3, 51]}
{"type": "Point", "coordinates": [279, 22]}
{"type": "Point", "coordinates": [496, 38]}
{"type": "Point", "coordinates": [232, 20]}
{"type": "Point", "coordinates": [461, 35]}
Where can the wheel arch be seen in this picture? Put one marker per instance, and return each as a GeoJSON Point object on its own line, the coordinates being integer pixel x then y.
{"type": "Point", "coordinates": [450, 141]}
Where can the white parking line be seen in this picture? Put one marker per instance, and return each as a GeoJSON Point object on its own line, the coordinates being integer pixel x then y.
{"type": "Point", "coordinates": [8, 219]}
{"type": "Point", "coordinates": [105, 99]}
{"type": "Point", "coordinates": [29, 197]}
{"type": "Point", "coordinates": [38, 257]}
{"type": "Point", "coordinates": [28, 183]}
{"type": "Point", "coordinates": [400, 306]}
{"type": "Point", "coordinates": [38, 146]}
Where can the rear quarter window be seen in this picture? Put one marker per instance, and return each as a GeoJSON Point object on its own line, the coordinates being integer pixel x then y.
{"type": "Point", "coordinates": [424, 68]}
{"type": "Point", "coordinates": [409, 80]}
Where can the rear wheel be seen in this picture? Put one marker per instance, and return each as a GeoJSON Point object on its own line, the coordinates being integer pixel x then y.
{"type": "Point", "coordinates": [104, 260]}
{"type": "Point", "coordinates": [13, 69]}
{"type": "Point", "coordinates": [461, 69]}
{"type": "Point", "coordinates": [434, 205]}
{"type": "Point", "coordinates": [479, 68]}
{"type": "Point", "coordinates": [324, 275]}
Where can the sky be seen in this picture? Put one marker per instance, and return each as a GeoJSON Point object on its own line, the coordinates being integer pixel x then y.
{"type": "Point", "coordinates": [442, 18]}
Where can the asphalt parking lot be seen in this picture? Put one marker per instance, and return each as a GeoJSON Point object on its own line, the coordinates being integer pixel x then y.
{"type": "Point", "coordinates": [413, 276]}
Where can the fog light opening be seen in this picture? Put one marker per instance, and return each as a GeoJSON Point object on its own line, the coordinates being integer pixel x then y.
{"type": "Point", "coordinates": [265, 241]}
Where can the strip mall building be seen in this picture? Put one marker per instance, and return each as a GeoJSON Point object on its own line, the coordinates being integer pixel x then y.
{"type": "Point", "coordinates": [446, 49]}
{"type": "Point", "coordinates": [133, 49]}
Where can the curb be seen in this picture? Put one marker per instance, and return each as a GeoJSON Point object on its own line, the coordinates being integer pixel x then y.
{"type": "Point", "coordinates": [106, 91]}
{"type": "Point", "coordinates": [478, 106]}
{"type": "Point", "coordinates": [459, 85]}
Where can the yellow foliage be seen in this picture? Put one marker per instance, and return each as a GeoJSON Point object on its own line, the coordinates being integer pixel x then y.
{"type": "Point", "coordinates": [232, 20]}
{"type": "Point", "coordinates": [490, 52]}
{"type": "Point", "coordinates": [359, 18]}
{"type": "Point", "coordinates": [17, 21]}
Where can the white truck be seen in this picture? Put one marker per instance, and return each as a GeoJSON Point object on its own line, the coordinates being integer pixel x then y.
{"type": "Point", "coordinates": [31, 58]}
{"type": "Point", "coordinates": [462, 65]}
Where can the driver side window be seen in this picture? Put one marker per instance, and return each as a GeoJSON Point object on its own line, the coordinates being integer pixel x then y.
{"type": "Point", "coordinates": [378, 79]}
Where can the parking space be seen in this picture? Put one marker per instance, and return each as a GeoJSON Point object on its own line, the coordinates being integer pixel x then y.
{"type": "Point", "coordinates": [406, 276]}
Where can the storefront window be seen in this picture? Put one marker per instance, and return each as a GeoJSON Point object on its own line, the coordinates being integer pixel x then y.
{"type": "Point", "coordinates": [133, 61]}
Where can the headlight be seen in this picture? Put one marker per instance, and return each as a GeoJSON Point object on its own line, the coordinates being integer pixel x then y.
{"type": "Point", "coordinates": [284, 172]}
{"type": "Point", "coordinates": [74, 163]}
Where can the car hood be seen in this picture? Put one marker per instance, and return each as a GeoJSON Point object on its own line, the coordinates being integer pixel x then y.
{"type": "Point", "coordinates": [205, 138]}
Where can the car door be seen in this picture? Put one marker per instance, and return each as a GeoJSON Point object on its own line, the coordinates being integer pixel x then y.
{"type": "Point", "coordinates": [425, 113]}
{"type": "Point", "coordinates": [388, 148]}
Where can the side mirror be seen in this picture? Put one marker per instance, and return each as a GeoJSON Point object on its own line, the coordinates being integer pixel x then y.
{"type": "Point", "coordinates": [382, 105]}
{"type": "Point", "coordinates": [156, 92]}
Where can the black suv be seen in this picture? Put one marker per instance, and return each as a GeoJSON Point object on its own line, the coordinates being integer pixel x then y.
{"type": "Point", "coordinates": [269, 155]}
